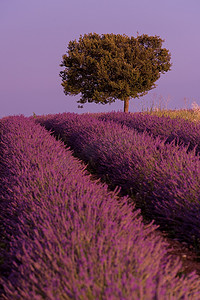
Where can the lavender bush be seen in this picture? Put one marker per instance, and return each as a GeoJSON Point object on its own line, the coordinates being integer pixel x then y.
{"type": "Point", "coordinates": [66, 237]}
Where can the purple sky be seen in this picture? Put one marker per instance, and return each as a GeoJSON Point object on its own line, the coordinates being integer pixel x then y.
{"type": "Point", "coordinates": [35, 34]}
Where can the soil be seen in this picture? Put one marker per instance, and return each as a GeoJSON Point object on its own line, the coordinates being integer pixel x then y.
{"type": "Point", "coordinates": [187, 254]}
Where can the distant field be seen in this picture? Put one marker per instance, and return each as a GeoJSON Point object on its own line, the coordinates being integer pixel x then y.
{"type": "Point", "coordinates": [187, 114]}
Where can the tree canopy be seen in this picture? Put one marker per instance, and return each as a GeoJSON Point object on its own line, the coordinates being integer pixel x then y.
{"type": "Point", "coordinates": [107, 67]}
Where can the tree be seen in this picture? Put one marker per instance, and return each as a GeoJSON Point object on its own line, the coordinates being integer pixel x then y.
{"type": "Point", "coordinates": [107, 67]}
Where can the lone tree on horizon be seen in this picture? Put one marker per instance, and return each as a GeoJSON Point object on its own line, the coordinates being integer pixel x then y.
{"type": "Point", "coordinates": [107, 67]}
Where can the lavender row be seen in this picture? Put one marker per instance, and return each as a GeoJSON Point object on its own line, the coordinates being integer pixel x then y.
{"type": "Point", "coordinates": [66, 237]}
{"type": "Point", "coordinates": [179, 130]}
{"type": "Point", "coordinates": [163, 179]}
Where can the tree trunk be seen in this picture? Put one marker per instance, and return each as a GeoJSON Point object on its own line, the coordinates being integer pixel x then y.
{"type": "Point", "coordinates": [126, 104]}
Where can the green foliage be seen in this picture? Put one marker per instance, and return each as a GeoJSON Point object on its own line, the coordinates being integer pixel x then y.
{"type": "Point", "coordinates": [107, 67]}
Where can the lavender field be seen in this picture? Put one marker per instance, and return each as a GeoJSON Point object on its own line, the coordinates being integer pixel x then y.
{"type": "Point", "coordinates": [65, 236]}
{"type": "Point", "coordinates": [162, 178]}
